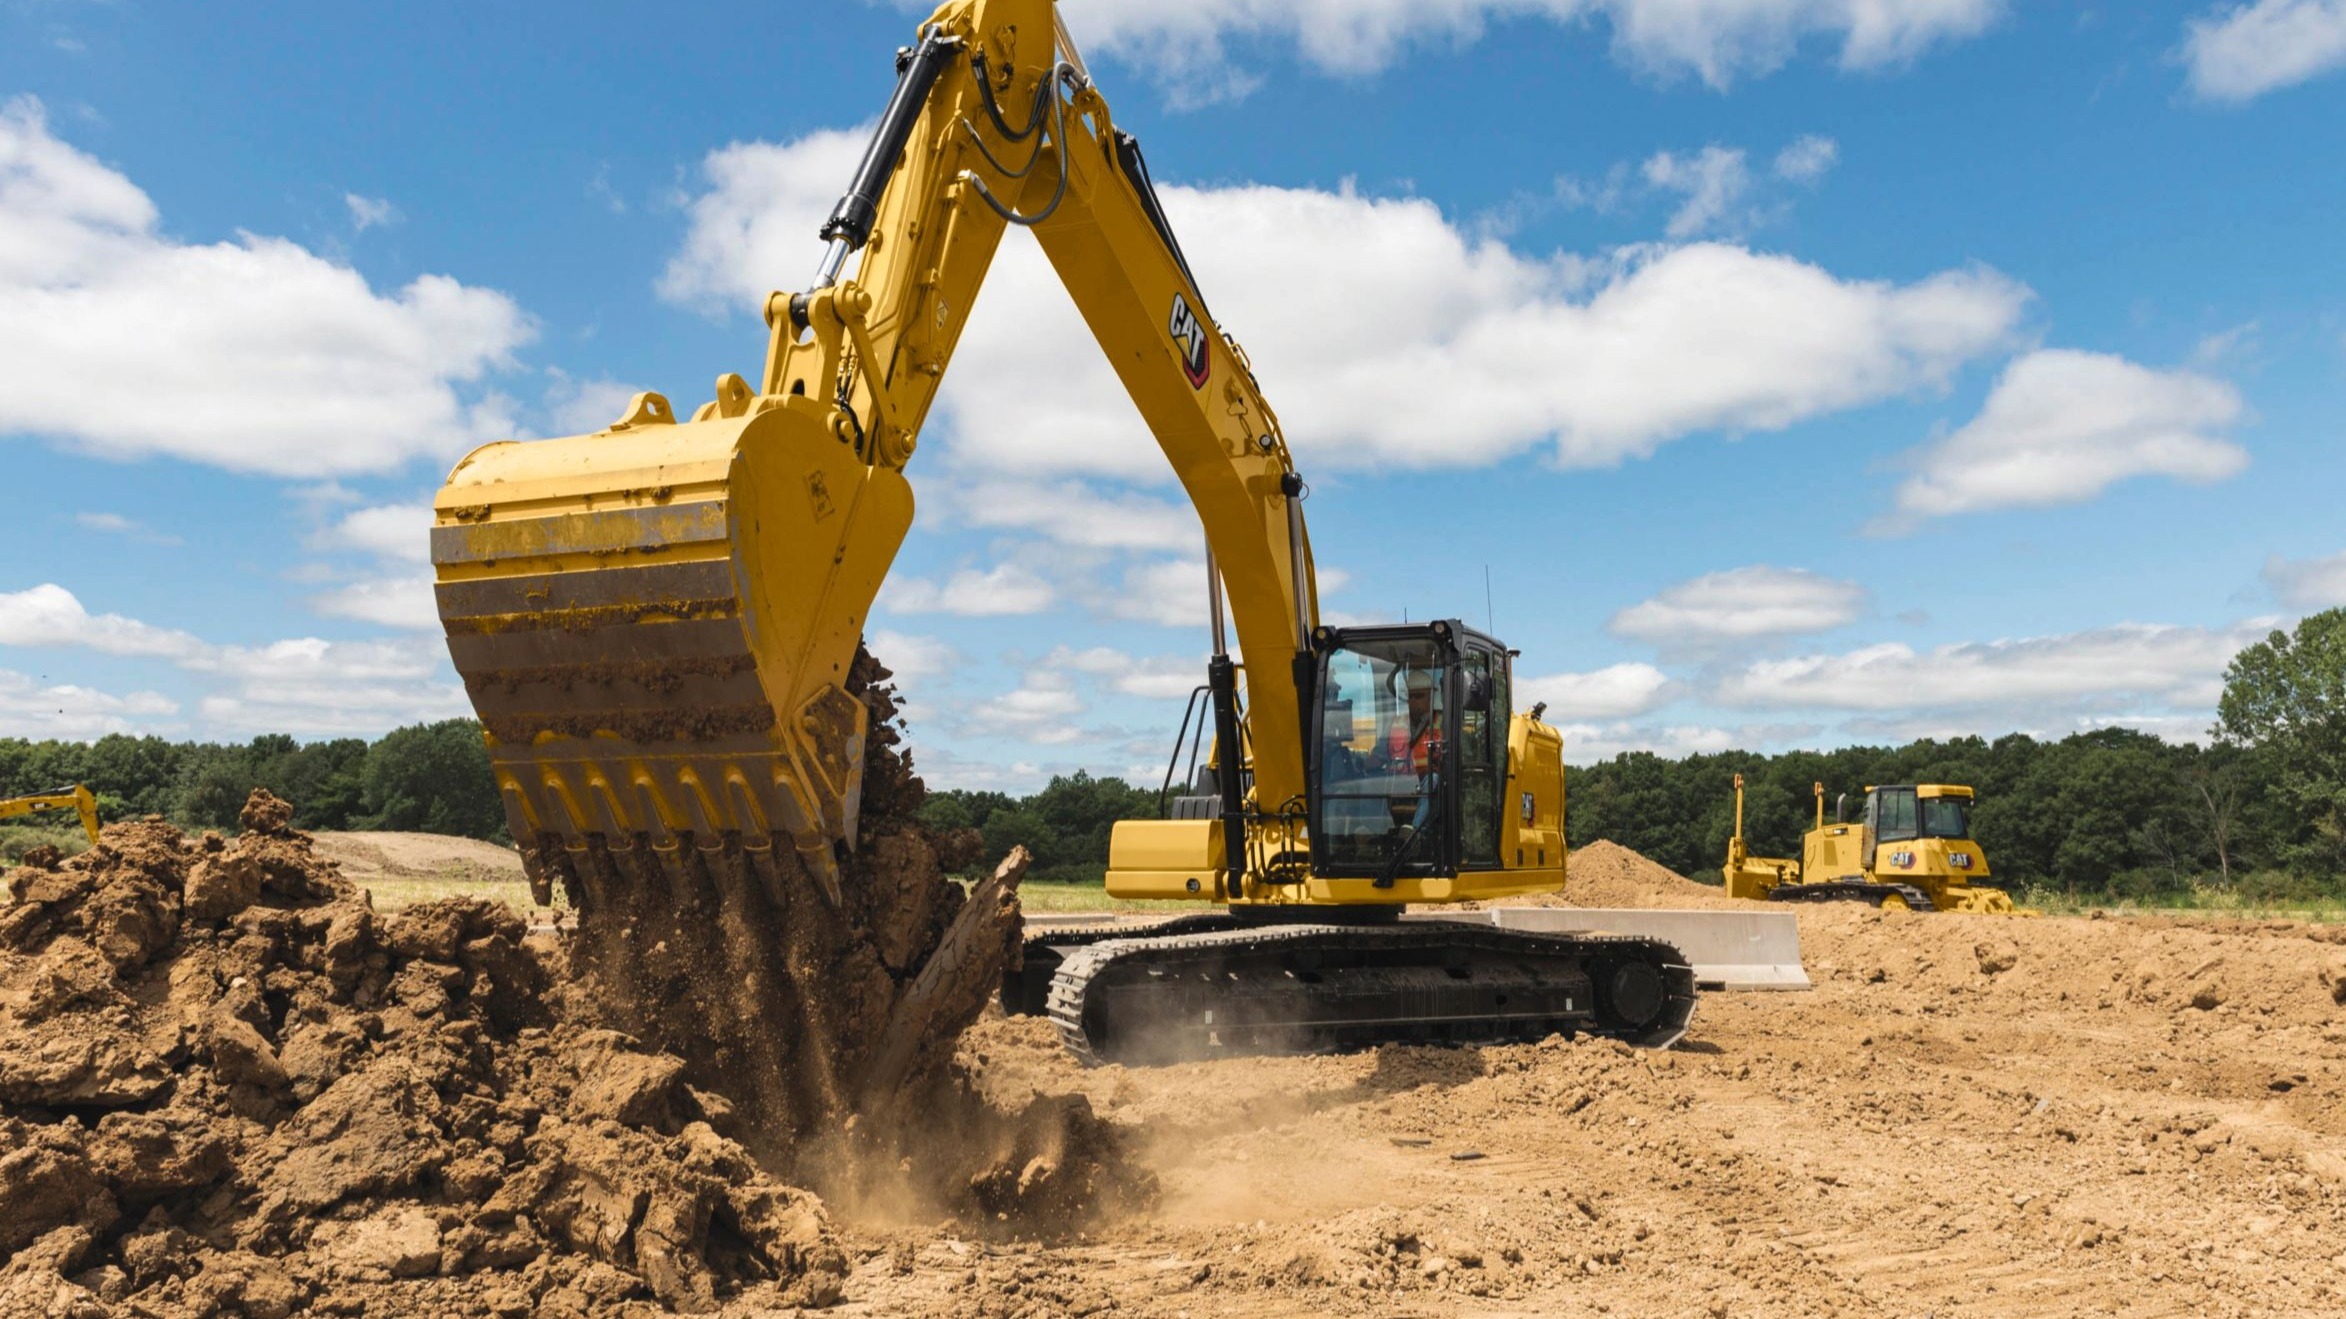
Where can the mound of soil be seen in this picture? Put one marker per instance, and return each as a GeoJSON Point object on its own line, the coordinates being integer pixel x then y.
{"type": "Point", "coordinates": [1606, 874]}
{"type": "Point", "coordinates": [227, 1086]}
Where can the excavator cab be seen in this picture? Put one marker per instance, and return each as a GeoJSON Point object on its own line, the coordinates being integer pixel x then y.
{"type": "Point", "coordinates": [1412, 757]}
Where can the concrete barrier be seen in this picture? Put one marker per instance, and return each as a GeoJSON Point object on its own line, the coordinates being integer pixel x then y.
{"type": "Point", "coordinates": [1727, 949]}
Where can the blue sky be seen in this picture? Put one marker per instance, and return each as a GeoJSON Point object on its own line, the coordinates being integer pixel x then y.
{"type": "Point", "coordinates": [1799, 371]}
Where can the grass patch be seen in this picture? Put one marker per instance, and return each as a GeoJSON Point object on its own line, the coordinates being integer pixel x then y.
{"type": "Point", "coordinates": [2210, 903]}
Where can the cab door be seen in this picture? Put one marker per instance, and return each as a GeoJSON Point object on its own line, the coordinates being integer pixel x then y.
{"type": "Point", "coordinates": [1483, 721]}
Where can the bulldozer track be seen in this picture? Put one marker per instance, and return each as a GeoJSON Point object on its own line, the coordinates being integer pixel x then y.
{"type": "Point", "coordinates": [1851, 890]}
{"type": "Point", "coordinates": [1165, 997]}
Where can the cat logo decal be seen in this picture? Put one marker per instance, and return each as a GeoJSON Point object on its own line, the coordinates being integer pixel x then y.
{"type": "Point", "coordinates": [1189, 340]}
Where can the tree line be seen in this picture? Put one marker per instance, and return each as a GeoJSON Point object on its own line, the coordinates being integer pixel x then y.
{"type": "Point", "coordinates": [428, 777]}
{"type": "Point", "coordinates": [2260, 809]}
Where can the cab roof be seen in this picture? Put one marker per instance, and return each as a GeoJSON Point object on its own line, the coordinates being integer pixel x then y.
{"type": "Point", "coordinates": [1929, 789]}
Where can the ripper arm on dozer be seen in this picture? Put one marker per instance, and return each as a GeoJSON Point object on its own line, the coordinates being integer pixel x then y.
{"type": "Point", "coordinates": [655, 621]}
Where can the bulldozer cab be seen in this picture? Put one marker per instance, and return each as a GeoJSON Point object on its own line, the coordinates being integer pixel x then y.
{"type": "Point", "coordinates": [1410, 762]}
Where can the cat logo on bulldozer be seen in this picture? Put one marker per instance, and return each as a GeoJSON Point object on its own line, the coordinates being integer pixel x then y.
{"type": "Point", "coordinates": [1902, 860]}
{"type": "Point", "coordinates": [1189, 337]}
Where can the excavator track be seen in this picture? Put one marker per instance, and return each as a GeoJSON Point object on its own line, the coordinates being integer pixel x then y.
{"type": "Point", "coordinates": [1267, 989]}
{"type": "Point", "coordinates": [1851, 890]}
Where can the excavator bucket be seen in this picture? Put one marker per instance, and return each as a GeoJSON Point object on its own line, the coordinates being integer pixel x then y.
{"type": "Point", "coordinates": [656, 621]}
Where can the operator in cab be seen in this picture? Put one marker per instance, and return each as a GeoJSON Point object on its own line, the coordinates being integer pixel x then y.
{"type": "Point", "coordinates": [1415, 746]}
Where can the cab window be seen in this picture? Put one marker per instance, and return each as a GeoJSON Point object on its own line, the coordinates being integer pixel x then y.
{"type": "Point", "coordinates": [1896, 820]}
{"type": "Point", "coordinates": [1946, 817]}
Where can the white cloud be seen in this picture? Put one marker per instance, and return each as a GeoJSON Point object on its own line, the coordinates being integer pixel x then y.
{"type": "Point", "coordinates": [390, 531]}
{"type": "Point", "coordinates": [1375, 323]}
{"type": "Point", "coordinates": [1043, 710]}
{"type": "Point", "coordinates": [1004, 589]}
{"type": "Point", "coordinates": [2244, 51]}
{"type": "Point", "coordinates": [1616, 692]}
{"type": "Point", "coordinates": [1713, 181]}
{"type": "Point", "coordinates": [2308, 584]}
{"type": "Point", "coordinates": [1588, 743]}
{"type": "Point", "coordinates": [402, 601]}
{"type": "Point", "coordinates": [398, 592]}
{"type": "Point", "coordinates": [256, 355]}
{"type": "Point", "coordinates": [1078, 513]}
{"type": "Point", "coordinates": [1807, 159]}
{"type": "Point", "coordinates": [1742, 604]}
{"type": "Point", "coordinates": [1718, 40]}
{"type": "Point", "coordinates": [370, 212]}
{"type": "Point", "coordinates": [50, 615]}
{"type": "Point", "coordinates": [753, 230]}
{"type": "Point", "coordinates": [912, 658]}
{"type": "Point", "coordinates": [305, 686]}
{"type": "Point", "coordinates": [2133, 662]}
{"type": "Point", "coordinates": [2062, 426]}
{"type": "Point", "coordinates": [1171, 592]}
{"type": "Point", "coordinates": [582, 407]}
{"type": "Point", "coordinates": [1160, 677]}
{"type": "Point", "coordinates": [115, 524]}
{"type": "Point", "coordinates": [74, 713]}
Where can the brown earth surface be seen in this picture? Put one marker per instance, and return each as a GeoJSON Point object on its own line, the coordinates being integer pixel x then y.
{"type": "Point", "coordinates": [229, 1087]}
{"type": "Point", "coordinates": [365, 855]}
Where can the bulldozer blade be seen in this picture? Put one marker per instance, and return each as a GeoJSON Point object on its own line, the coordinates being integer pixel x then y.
{"type": "Point", "coordinates": [655, 623]}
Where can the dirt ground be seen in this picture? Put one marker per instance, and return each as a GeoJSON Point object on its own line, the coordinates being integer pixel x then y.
{"type": "Point", "coordinates": [226, 1088]}
{"type": "Point", "coordinates": [1969, 1116]}
{"type": "Point", "coordinates": [402, 869]}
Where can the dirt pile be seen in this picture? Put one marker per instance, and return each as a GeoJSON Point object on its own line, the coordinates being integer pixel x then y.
{"type": "Point", "coordinates": [1606, 874]}
{"type": "Point", "coordinates": [228, 1086]}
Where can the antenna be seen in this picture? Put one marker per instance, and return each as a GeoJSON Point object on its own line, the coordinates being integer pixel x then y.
{"type": "Point", "coordinates": [1490, 621]}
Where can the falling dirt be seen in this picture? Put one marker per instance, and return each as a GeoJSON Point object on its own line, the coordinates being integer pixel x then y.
{"type": "Point", "coordinates": [831, 1020]}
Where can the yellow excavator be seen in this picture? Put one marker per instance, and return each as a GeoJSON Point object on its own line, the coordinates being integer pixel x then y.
{"type": "Point", "coordinates": [1913, 850]}
{"type": "Point", "coordinates": [75, 798]}
{"type": "Point", "coordinates": [656, 621]}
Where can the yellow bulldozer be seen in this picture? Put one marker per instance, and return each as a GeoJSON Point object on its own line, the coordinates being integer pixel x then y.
{"type": "Point", "coordinates": [1912, 850]}
{"type": "Point", "coordinates": [656, 624]}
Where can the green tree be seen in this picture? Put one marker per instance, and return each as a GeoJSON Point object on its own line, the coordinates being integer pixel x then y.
{"type": "Point", "coordinates": [2285, 701]}
{"type": "Point", "coordinates": [434, 778]}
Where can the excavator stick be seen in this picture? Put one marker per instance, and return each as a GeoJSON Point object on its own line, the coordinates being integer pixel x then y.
{"type": "Point", "coordinates": [75, 798]}
{"type": "Point", "coordinates": [655, 623]}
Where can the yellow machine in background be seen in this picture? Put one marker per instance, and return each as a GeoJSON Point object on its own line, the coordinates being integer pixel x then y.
{"type": "Point", "coordinates": [76, 799]}
{"type": "Point", "coordinates": [1912, 850]}
{"type": "Point", "coordinates": [656, 621]}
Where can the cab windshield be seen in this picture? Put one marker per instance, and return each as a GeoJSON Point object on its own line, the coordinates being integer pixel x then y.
{"type": "Point", "coordinates": [1383, 708]}
{"type": "Point", "coordinates": [1946, 817]}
